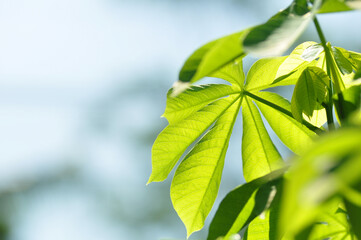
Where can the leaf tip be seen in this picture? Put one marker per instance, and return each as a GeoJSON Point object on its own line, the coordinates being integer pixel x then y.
{"type": "Point", "coordinates": [179, 87]}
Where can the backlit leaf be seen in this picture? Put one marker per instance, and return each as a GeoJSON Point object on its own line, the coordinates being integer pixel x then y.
{"type": "Point", "coordinates": [276, 35]}
{"type": "Point", "coordinates": [212, 57]}
{"type": "Point", "coordinates": [292, 133]}
{"type": "Point", "coordinates": [259, 155]}
{"type": "Point", "coordinates": [196, 181]}
{"type": "Point", "coordinates": [329, 6]}
{"type": "Point", "coordinates": [310, 92]}
{"type": "Point", "coordinates": [193, 121]}
{"type": "Point", "coordinates": [295, 63]}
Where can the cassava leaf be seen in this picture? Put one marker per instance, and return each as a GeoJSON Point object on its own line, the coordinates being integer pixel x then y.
{"type": "Point", "coordinates": [351, 100]}
{"type": "Point", "coordinates": [342, 62]}
{"type": "Point", "coordinates": [242, 205]}
{"type": "Point", "coordinates": [176, 137]}
{"type": "Point", "coordinates": [193, 99]}
{"type": "Point", "coordinates": [312, 52]}
{"type": "Point", "coordinates": [196, 181]}
{"type": "Point", "coordinates": [310, 91]}
{"type": "Point", "coordinates": [197, 178]}
{"type": "Point", "coordinates": [264, 226]}
{"type": "Point", "coordinates": [276, 35]}
{"type": "Point", "coordinates": [329, 224]}
{"type": "Point", "coordinates": [318, 176]}
{"type": "Point", "coordinates": [212, 57]}
{"type": "Point", "coordinates": [263, 73]}
{"type": "Point", "coordinates": [295, 63]}
{"type": "Point", "coordinates": [259, 155]}
{"type": "Point", "coordinates": [329, 6]}
{"type": "Point", "coordinates": [292, 133]}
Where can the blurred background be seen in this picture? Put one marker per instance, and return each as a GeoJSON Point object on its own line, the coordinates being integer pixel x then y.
{"type": "Point", "coordinates": [82, 86]}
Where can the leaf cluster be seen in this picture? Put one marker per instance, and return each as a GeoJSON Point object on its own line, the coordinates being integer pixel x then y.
{"type": "Point", "coordinates": [314, 195]}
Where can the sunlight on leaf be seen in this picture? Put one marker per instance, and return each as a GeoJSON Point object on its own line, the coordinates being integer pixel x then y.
{"type": "Point", "coordinates": [276, 35]}
{"type": "Point", "coordinates": [212, 57]}
{"type": "Point", "coordinates": [259, 155]}
{"type": "Point", "coordinates": [292, 133]}
{"type": "Point", "coordinates": [196, 181]}
{"type": "Point", "coordinates": [310, 92]}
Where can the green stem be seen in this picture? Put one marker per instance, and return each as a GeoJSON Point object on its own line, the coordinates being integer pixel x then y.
{"type": "Point", "coordinates": [282, 110]}
{"type": "Point", "coordinates": [333, 74]}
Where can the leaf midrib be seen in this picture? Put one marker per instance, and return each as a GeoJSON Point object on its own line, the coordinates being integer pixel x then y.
{"type": "Point", "coordinates": [259, 134]}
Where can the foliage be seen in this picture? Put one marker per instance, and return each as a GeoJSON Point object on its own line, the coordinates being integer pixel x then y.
{"type": "Point", "coordinates": [314, 195]}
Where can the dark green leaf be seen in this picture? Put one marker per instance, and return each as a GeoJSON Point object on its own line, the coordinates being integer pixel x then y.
{"type": "Point", "coordinates": [276, 35]}
{"type": "Point", "coordinates": [350, 102]}
{"type": "Point", "coordinates": [342, 62]}
{"type": "Point", "coordinates": [354, 213]}
{"type": "Point", "coordinates": [264, 226]}
{"type": "Point", "coordinates": [242, 205]}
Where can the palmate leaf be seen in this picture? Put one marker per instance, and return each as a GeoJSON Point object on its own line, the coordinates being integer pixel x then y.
{"type": "Point", "coordinates": [310, 91]}
{"type": "Point", "coordinates": [276, 35]}
{"type": "Point", "coordinates": [191, 113]}
{"type": "Point", "coordinates": [197, 178]}
{"type": "Point", "coordinates": [321, 174]}
{"type": "Point", "coordinates": [243, 204]}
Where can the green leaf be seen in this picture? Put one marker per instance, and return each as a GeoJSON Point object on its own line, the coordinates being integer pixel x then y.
{"type": "Point", "coordinates": [212, 57]}
{"type": "Point", "coordinates": [264, 226]}
{"type": "Point", "coordinates": [329, 6]}
{"type": "Point", "coordinates": [259, 155]}
{"type": "Point", "coordinates": [292, 133]}
{"type": "Point", "coordinates": [331, 225]}
{"type": "Point", "coordinates": [310, 91]}
{"type": "Point", "coordinates": [242, 205]}
{"type": "Point", "coordinates": [312, 52]}
{"type": "Point", "coordinates": [351, 101]}
{"type": "Point", "coordinates": [233, 73]}
{"type": "Point", "coordinates": [318, 176]}
{"type": "Point", "coordinates": [263, 73]}
{"type": "Point", "coordinates": [276, 35]}
{"type": "Point", "coordinates": [294, 64]}
{"type": "Point", "coordinates": [358, 73]}
{"type": "Point", "coordinates": [193, 121]}
{"type": "Point", "coordinates": [194, 99]}
{"type": "Point", "coordinates": [354, 213]}
{"type": "Point", "coordinates": [342, 62]}
{"type": "Point", "coordinates": [196, 181]}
